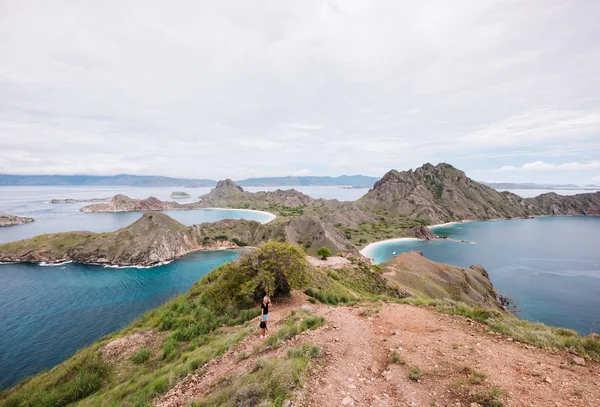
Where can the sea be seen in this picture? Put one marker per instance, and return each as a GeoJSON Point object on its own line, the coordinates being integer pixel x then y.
{"type": "Point", "coordinates": [550, 267]}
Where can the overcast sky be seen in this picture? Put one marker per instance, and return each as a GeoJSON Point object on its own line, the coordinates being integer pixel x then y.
{"type": "Point", "coordinates": [505, 90]}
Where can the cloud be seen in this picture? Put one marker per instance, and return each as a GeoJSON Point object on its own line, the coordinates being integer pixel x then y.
{"type": "Point", "coordinates": [542, 166]}
{"type": "Point", "coordinates": [300, 173]}
{"type": "Point", "coordinates": [228, 89]}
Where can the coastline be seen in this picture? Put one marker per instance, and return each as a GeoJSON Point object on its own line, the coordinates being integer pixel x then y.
{"type": "Point", "coordinates": [269, 214]}
{"type": "Point", "coordinates": [367, 251]}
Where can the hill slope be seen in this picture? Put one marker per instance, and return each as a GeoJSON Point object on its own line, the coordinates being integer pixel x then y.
{"type": "Point", "coordinates": [152, 239]}
{"type": "Point", "coordinates": [204, 347]}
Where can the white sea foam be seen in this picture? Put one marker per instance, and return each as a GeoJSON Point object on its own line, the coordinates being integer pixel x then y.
{"type": "Point", "coordinates": [114, 266]}
{"type": "Point", "coordinates": [44, 264]}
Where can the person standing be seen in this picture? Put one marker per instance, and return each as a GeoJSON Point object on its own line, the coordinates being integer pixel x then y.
{"type": "Point", "coordinates": [264, 316]}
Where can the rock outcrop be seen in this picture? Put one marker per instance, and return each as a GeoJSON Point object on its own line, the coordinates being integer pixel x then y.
{"type": "Point", "coordinates": [123, 203]}
{"type": "Point", "coordinates": [152, 239]}
{"type": "Point", "coordinates": [439, 194]}
{"type": "Point", "coordinates": [420, 277]}
{"type": "Point", "coordinates": [12, 220]}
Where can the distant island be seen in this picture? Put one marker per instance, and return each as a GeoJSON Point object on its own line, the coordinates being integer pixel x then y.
{"type": "Point", "coordinates": [158, 181]}
{"type": "Point", "coordinates": [529, 185]}
{"type": "Point", "coordinates": [180, 195]}
{"type": "Point", "coordinates": [400, 204]}
{"type": "Point", "coordinates": [12, 220]}
{"type": "Point", "coordinates": [71, 200]}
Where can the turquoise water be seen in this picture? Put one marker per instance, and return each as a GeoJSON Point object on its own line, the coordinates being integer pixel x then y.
{"type": "Point", "coordinates": [550, 266]}
{"type": "Point", "coordinates": [47, 313]}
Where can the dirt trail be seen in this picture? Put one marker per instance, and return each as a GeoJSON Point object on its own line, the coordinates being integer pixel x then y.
{"type": "Point", "coordinates": [356, 369]}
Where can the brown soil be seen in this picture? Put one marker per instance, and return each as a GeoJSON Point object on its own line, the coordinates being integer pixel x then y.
{"type": "Point", "coordinates": [334, 262]}
{"type": "Point", "coordinates": [123, 348]}
{"type": "Point", "coordinates": [357, 369]}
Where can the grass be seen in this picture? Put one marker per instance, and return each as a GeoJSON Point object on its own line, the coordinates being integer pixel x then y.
{"type": "Point", "coordinates": [348, 285]}
{"type": "Point", "coordinates": [489, 397]}
{"type": "Point", "coordinates": [475, 376]}
{"type": "Point", "coordinates": [415, 374]}
{"type": "Point", "coordinates": [294, 324]}
{"type": "Point", "coordinates": [271, 380]}
{"type": "Point", "coordinates": [73, 380]}
{"type": "Point", "coordinates": [537, 334]}
{"type": "Point", "coordinates": [386, 227]}
{"type": "Point", "coordinates": [396, 358]}
{"type": "Point", "coordinates": [141, 357]}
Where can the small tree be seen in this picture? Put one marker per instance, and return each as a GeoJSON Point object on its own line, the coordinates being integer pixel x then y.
{"type": "Point", "coordinates": [324, 253]}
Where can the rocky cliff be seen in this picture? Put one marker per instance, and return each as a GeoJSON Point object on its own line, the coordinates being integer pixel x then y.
{"type": "Point", "coordinates": [12, 220]}
{"type": "Point", "coordinates": [152, 239]}
{"type": "Point", "coordinates": [422, 278]}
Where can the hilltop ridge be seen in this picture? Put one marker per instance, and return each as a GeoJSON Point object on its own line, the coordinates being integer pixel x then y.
{"type": "Point", "coordinates": [350, 334]}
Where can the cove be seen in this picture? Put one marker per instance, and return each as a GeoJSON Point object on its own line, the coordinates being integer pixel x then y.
{"type": "Point", "coordinates": [48, 313]}
{"type": "Point", "coordinates": [549, 266]}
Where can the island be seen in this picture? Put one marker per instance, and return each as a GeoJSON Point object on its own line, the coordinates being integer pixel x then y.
{"type": "Point", "coordinates": [12, 220]}
{"type": "Point", "coordinates": [71, 200]}
{"type": "Point", "coordinates": [180, 195]}
{"type": "Point", "coordinates": [400, 204]}
{"type": "Point", "coordinates": [437, 332]}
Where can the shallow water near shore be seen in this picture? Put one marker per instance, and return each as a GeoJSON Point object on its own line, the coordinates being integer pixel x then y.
{"type": "Point", "coordinates": [48, 313]}
{"type": "Point", "coordinates": [549, 266]}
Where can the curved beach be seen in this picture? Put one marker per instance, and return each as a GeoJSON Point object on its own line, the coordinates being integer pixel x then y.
{"type": "Point", "coordinates": [367, 251]}
{"type": "Point", "coordinates": [269, 214]}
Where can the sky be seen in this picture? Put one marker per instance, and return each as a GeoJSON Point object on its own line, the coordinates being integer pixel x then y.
{"type": "Point", "coordinates": [504, 90]}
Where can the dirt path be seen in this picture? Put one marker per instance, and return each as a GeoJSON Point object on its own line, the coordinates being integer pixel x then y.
{"type": "Point", "coordinates": [357, 369]}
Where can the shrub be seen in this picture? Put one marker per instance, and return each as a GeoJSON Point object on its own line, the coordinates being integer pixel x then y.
{"type": "Point", "coordinates": [274, 268]}
{"type": "Point", "coordinates": [239, 242]}
{"type": "Point", "coordinates": [324, 253]}
{"type": "Point", "coordinates": [396, 358]}
{"type": "Point", "coordinates": [414, 374]}
{"type": "Point", "coordinates": [141, 357]}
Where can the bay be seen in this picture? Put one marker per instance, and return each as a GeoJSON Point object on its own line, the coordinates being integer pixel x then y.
{"type": "Point", "coordinates": [549, 266]}
{"type": "Point", "coordinates": [48, 313]}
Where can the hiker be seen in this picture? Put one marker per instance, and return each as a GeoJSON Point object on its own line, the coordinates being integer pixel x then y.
{"type": "Point", "coordinates": [264, 316]}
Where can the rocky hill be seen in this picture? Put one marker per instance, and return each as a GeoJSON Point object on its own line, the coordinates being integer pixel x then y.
{"type": "Point", "coordinates": [152, 239]}
{"type": "Point", "coordinates": [400, 204]}
{"type": "Point", "coordinates": [554, 204]}
{"type": "Point", "coordinates": [12, 220]}
{"type": "Point", "coordinates": [346, 338]}
{"type": "Point", "coordinates": [419, 277]}
{"type": "Point", "coordinates": [123, 203]}
{"type": "Point", "coordinates": [439, 194]}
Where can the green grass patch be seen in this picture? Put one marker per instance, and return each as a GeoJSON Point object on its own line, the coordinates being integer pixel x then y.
{"type": "Point", "coordinates": [271, 380]}
{"type": "Point", "coordinates": [538, 334]}
{"type": "Point", "coordinates": [69, 382]}
{"type": "Point", "coordinates": [141, 357]}
{"type": "Point", "coordinates": [396, 358]}
{"type": "Point", "coordinates": [294, 324]}
{"type": "Point", "coordinates": [415, 374]}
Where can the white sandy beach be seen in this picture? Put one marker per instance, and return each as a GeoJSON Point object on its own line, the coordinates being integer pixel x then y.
{"type": "Point", "coordinates": [367, 251]}
{"type": "Point", "coordinates": [271, 216]}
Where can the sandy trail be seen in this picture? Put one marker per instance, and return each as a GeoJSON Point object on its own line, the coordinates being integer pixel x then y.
{"type": "Point", "coordinates": [356, 369]}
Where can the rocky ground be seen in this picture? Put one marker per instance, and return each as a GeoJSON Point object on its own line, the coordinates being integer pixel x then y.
{"type": "Point", "coordinates": [401, 355]}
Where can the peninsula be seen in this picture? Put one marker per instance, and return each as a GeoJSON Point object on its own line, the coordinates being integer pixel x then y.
{"type": "Point", "coordinates": [342, 332]}
{"type": "Point", "coordinates": [401, 204]}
